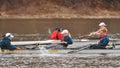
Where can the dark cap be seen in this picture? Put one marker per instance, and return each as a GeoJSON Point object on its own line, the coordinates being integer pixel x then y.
{"type": "Point", "coordinates": [59, 28]}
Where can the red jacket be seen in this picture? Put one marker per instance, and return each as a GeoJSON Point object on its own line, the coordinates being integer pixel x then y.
{"type": "Point", "coordinates": [56, 35]}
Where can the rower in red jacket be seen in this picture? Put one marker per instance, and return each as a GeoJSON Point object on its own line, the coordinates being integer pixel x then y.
{"type": "Point", "coordinates": [56, 35]}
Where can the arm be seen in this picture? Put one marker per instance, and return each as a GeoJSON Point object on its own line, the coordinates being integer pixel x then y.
{"type": "Point", "coordinates": [99, 31]}
{"type": "Point", "coordinates": [69, 41]}
{"type": "Point", "coordinates": [60, 37]}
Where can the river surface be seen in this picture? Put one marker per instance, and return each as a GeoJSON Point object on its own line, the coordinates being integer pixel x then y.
{"type": "Point", "coordinates": [33, 29]}
{"type": "Point", "coordinates": [57, 61]}
{"type": "Point", "coordinates": [75, 26]}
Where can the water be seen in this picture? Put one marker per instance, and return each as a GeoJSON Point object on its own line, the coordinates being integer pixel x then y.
{"type": "Point", "coordinates": [44, 26]}
{"type": "Point", "coordinates": [58, 61]}
{"type": "Point", "coordinates": [33, 29]}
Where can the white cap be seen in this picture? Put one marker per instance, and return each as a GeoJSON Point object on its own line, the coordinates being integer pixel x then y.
{"type": "Point", "coordinates": [102, 24]}
{"type": "Point", "coordinates": [9, 35]}
{"type": "Point", "coordinates": [64, 31]}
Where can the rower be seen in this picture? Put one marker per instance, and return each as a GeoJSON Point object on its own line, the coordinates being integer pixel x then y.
{"type": "Point", "coordinates": [102, 43]}
{"type": "Point", "coordinates": [6, 42]}
{"type": "Point", "coordinates": [64, 43]}
{"type": "Point", "coordinates": [99, 31]}
{"type": "Point", "coordinates": [66, 38]}
{"type": "Point", "coordinates": [56, 35]}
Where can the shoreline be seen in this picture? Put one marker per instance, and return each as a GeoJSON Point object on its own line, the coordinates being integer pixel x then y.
{"type": "Point", "coordinates": [58, 16]}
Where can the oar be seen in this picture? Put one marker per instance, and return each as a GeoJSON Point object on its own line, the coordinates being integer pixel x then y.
{"type": "Point", "coordinates": [84, 36]}
{"type": "Point", "coordinates": [37, 45]}
{"type": "Point", "coordinates": [48, 43]}
{"type": "Point", "coordinates": [81, 48]}
{"type": "Point", "coordinates": [87, 46]}
{"type": "Point", "coordinates": [88, 36]}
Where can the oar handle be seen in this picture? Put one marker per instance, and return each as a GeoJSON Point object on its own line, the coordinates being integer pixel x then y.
{"type": "Point", "coordinates": [48, 43]}
{"type": "Point", "coordinates": [84, 36]}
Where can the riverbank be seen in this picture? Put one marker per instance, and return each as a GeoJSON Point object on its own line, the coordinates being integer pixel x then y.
{"type": "Point", "coordinates": [58, 16]}
{"type": "Point", "coordinates": [65, 9]}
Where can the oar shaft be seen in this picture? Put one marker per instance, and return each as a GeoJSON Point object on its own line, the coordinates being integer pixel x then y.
{"type": "Point", "coordinates": [41, 43]}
